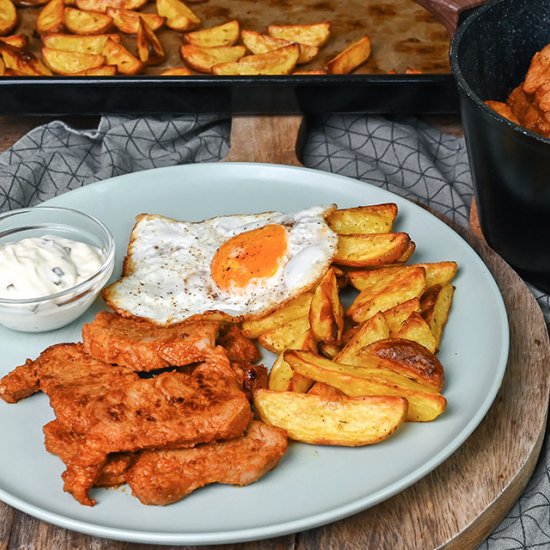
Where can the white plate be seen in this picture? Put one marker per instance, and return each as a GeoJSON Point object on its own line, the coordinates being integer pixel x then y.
{"type": "Point", "coordinates": [313, 485]}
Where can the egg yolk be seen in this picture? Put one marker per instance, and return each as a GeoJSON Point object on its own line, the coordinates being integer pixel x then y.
{"type": "Point", "coordinates": [250, 255]}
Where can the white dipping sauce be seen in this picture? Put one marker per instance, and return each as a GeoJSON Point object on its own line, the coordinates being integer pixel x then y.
{"type": "Point", "coordinates": [40, 266]}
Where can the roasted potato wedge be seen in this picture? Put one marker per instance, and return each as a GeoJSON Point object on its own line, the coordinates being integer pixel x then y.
{"type": "Point", "coordinates": [116, 54]}
{"type": "Point", "coordinates": [340, 420]}
{"type": "Point", "coordinates": [370, 331]}
{"type": "Point", "coordinates": [376, 218]}
{"type": "Point", "coordinates": [177, 71]}
{"type": "Point", "coordinates": [349, 333]}
{"type": "Point", "coordinates": [256, 42]}
{"type": "Point", "coordinates": [328, 350]}
{"type": "Point", "coordinates": [310, 72]}
{"type": "Point", "coordinates": [404, 286]}
{"type": "Point", "coordinates": [127, 21]}
{"type": "Point", "coordinates": [324, 390]}
{"type": "Point", "coordinates": [326, 313]}
{"type": "Point", "coordinates": [150, 50]}
{"type": "Point", "coordinates": [283, 337]}
{"type": "Point", "coordinates": [203, 59]}
{"type": "Point", "coordinates": [75, 43]}
{"type": "Point", "coordinates": [86, 22]}
{"type": "Point", "coordinates": [283, 378]}
{"type": "Point", "coordinates": [439, 273]}
{"type": "Point", "coordinates": [102, 5]}
{"type": "Point", "coordinates": [436, 304]}
{"type": "Point", "coordinates": [314, 34]}
{"type": "Point", "coordinates": [307, 54]}
{"type": "Point", "coordinates": [405, 357]}
{"type": "Point", "coordinates": [425, 404]}
{"type": "Point", "coordinates": [17, 41]}
{"type": "Point", "coordinates": [349, 59]}
{"type": "Point", "coordinates": [51, 17]}
{"type": "Point", "coordinates": [68, 63]}
{"type": "Point", "coordinates": [22, 63]}
{"type": "Point", "coordinates": [396, 316]}
{"type": "Point", "coordinates": [281, 375]}
{"type": "Point", "coordinates": [2, 67]}
{"type": "Point", "coordinates": [407, 254]}
{"type": "Point", "coordinates": [226, 34]}
{"type": "Point", "coordinates": [416, 328]}
{"type": "Point", "coordinates": [179, 16]}
{"type": "Point", "coordinates": [276, 62]}
{"type": "Point", "coordinates": [104, 70]}
{"type": "Point", "coordinates": [375, 280]}
{"type": "Point", "coordinates": [262, 43]}
{"type": "Point", "coordinates": [436, 273]}
{"type": "Point", "coordinates": [371, 250]}
{"type": "Point", "coordinates": [8, 17]}
{"type": "Point", "coordinates": [293, 309]}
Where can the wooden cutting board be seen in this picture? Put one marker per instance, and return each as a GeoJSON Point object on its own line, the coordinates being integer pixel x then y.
{"type": "Point", "coordinates": [460, 502]}
{"type": "Point", "coordinates": [464, 499]}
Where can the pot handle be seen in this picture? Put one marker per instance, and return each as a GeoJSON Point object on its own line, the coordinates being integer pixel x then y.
{"type": "Point", "coordinates": [448, 11]}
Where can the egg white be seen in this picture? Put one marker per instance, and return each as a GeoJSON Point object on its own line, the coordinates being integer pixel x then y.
{"type": "Point", "coordinates": [167, 279]}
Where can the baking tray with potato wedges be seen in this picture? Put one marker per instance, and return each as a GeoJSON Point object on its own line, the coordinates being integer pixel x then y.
{"type": "Point", "coordinates": [236, 57]}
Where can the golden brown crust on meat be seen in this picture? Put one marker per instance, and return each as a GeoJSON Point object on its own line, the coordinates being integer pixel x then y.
{"type": "Point", "coordinates": [20, 382]}
{"type": "Point", "coordinates": [166, 476]}
{"type": "Point", "coordinates": [66, 445]}
{"type": "Point", "coordinates": [529, 103]}
{"type": "Point", "coordinates": [143, 346]}
{"type": "Point", "coordinates": [239, 348]}
{"type": "Point", "coordinates": [114, 410]}
{"type": "Point", "coordinates": [251, 378]}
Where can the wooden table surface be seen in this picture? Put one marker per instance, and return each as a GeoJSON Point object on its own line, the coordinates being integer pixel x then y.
{"type": "Point", "coordinates": [458, 504]}
{"type": "Point", "coordinates": [14, 127]}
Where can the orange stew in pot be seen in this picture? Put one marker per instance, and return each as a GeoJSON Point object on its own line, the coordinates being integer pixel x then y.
{"type": "Point", "coordinates": [529, 103]}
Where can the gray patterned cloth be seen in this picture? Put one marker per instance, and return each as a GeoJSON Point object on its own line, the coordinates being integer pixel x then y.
{"type": "Point", "coordinates": [403, 155]}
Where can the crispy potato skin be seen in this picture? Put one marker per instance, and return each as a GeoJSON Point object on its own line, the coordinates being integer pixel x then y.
{"type": "Point", "coordinates": [386, 343]}
{"type": "Point", "coordinates": [326, 313]}
{"type": "Point", "coordinates": [278, 50]}
{"type": "Point", "coordinates": [340, 420]}
{"type": "Point", "coordinates": [425, 403]}
{"type": "Point", "coordinates": [350, 58]}
{"type": "Point", "coordinates": [8, 17]}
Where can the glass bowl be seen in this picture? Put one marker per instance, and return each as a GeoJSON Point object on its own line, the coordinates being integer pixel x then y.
{"type": "Point", "coordinates": [53, 311]}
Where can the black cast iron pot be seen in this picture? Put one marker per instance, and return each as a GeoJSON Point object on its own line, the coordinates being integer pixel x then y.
{"type": "Point", "coordinates": [490, 55]}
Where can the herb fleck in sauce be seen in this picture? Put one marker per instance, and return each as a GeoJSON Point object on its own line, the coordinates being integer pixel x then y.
{"type": "Point", "coordinates": [39, 266]}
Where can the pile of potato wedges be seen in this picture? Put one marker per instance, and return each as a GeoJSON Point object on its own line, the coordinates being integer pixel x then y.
{"type": "Point", "coordinates": [357, 356]}
{"type": "Point", "coordinates": [93, 37]}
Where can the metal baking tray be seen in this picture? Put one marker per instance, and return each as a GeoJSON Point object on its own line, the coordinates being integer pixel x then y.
{"type": "Point", "coordinates": [404, 35]}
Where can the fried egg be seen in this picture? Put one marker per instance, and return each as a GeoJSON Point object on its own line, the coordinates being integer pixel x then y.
{"type": "Point", "coordinates": [239, 266]}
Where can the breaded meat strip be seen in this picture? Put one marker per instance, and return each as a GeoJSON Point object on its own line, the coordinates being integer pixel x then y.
{"type": "Point", "coordinates": [166, 476]}
{"type": "Point", "coordinates": [144, 346]}
{"type": "Point", "coordinates": [20, 382]}
{"type": "Point", "coordinates": [251, 378]}
{"type": "Point", "coordinates": [117, 411]}
{"type": "Point", "coordinates": [66, 445]}
{"type": "Point", "coordinates": [239, 348]}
